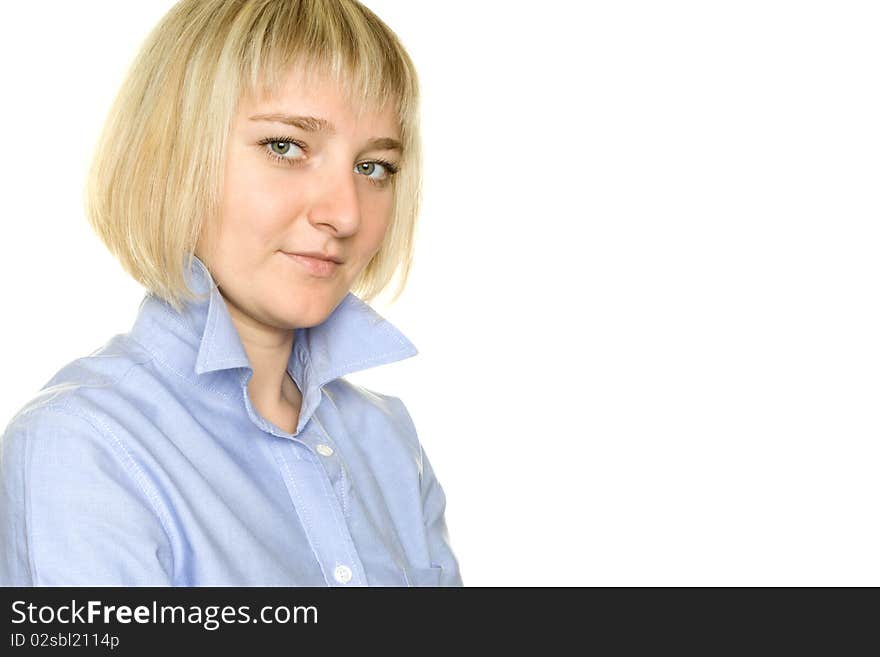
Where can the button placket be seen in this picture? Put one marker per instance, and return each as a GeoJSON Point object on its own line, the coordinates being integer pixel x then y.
{"type": "Point", "coordinates": [335, 472]}
{"type": "Point", "coordinates": [321, 516]}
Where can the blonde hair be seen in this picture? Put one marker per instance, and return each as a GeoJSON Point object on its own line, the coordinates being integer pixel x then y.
{"type": "Point", "coordinates": [157, 170]}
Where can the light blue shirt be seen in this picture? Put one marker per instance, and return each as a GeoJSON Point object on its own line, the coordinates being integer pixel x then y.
{"type": "Point", "coordinates": [145, 464]}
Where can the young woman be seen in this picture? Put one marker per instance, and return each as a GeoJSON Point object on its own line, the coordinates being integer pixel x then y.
{"type": "Point", "coordinates": [260, 166]}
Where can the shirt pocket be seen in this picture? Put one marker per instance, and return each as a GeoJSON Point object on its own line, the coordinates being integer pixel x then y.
{"type": "Point", "coordinates": [431, 576]}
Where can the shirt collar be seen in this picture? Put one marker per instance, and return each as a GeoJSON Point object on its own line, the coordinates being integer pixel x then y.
{"type": "Point", "coordinates": [203, 339]}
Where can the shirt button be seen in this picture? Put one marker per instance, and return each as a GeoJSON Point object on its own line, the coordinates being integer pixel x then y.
{"type": "Point", "coordinates": [342, 574]}
{"type": "Point", "coordinates": [324, 450]}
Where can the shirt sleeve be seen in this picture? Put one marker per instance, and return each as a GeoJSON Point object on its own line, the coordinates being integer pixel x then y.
{"type": "Point", "coordinates": [75, 510]}
{"type": "Point", "coordinates": [434, 507]}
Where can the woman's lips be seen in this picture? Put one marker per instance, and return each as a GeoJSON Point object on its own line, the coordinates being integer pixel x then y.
{"type": "Point", "coordinates": [315, 266]}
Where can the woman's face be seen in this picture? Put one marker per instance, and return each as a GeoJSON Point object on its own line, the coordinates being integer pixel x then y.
{"type": "Point", "coordinates": [291, 189]}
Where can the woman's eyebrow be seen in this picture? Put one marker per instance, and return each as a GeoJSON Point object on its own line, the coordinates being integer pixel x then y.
{"type": "Point", "coordinates": [315, 124]}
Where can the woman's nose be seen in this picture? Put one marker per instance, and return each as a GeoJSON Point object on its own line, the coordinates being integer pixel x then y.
{"type": "Point", "coordinates": [335, 202]}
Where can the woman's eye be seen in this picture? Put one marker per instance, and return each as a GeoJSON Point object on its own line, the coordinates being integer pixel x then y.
{"type": "Point", "coordinates": [369, 168]}
{"type": "Point", "coordinates": [281, 149]}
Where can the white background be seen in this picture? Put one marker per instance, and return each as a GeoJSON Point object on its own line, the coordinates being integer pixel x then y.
{"type": "Point", "coordinates": [645, 293]}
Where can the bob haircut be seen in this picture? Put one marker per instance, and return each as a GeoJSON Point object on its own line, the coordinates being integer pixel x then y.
{"type": "Point", "coordinates": [156, 176]}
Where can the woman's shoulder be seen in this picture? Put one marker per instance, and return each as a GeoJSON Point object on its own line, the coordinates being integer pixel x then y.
{"type": "Point", "coordinates": [385, 409]}
{"type": "Point", "coordinates": [64, 427]}
{"type": "Point", "coordinates": [72, 425]}
{"type": "Point", "coordinates": [345, 393]}
{"type": "Point", "coordinates": [78, 387]}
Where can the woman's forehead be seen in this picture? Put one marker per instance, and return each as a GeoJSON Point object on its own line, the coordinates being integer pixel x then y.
{"type": "Point", "coordinates": [319, 107]}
